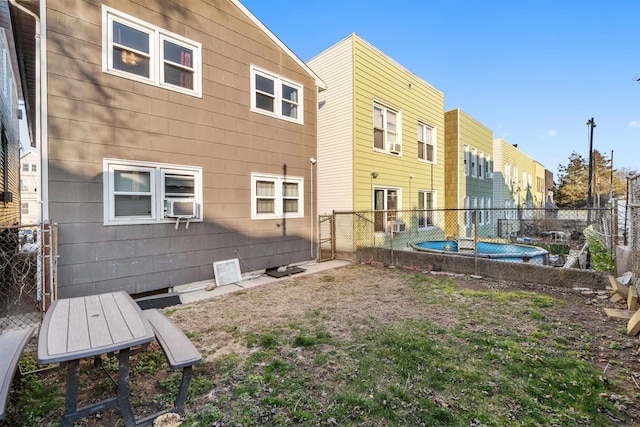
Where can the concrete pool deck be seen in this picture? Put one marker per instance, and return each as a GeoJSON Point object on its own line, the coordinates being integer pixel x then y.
{"type": "Point", "coordinates": [196, 291]}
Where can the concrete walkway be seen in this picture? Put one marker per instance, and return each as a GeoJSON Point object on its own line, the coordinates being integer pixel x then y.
{"type": "Point", "coordinates": [196, 291]}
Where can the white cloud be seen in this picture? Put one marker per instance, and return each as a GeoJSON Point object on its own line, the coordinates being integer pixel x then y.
{"type": "Point", "coordinates": [548, 134]}
{"type": "Point", "coordinates": [634, 124]}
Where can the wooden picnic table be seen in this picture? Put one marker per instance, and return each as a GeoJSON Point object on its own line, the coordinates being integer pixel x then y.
{"type": "Point", "coordinates": [82, 327]}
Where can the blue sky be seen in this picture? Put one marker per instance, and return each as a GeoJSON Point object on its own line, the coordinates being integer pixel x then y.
{"type": "Point", "coordinates": [533, 71]}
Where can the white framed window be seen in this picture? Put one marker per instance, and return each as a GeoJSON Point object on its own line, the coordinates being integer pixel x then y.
{"type": "Point", "coordinates": [487, 216]}
{"type": "Point", "coordinates": [275, 196]}
{"type": "Point", "coordinates": [276, 96]}
{"type": "Point", "coordinates": [24, 208]}
{"type": "Point", "coordinates": [466, 160]}
{"type": "Point", "coordinates": [426, 202]}
{"type": "Point", "coordinates": [426, 143]}
{"type": "Point", "coordinates": [24, 185]}
{"type": "Point", "coordinates": [467, 213]}
{"type": "Point", "coordinates": [480, 211]}
{"type": "Point", "coordinates": [142, 192]}
{"type": "Point", "coordinates": [386, 129]}
{"type": "Point", "coordinates": [386, 202]}
{"type": "Point", "coordinates": [34, 168]}
{"type": "Point", "coordinates": [25, 167]}
{"type": "Point", "coordinates": [137, 50]}
{"type": "Point", "coordinates": [487, 166]}
{"type": "Point", "coordinates": [474, 160]}
{"type": "Point", "coordinates": [507, 174]}
{"type": "Point", "coordinates": [480, 165]}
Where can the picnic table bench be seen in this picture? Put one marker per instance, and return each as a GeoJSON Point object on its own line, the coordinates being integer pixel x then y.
{"type": "Point", "coordinates": [180, 353]}
{"type": "Point", "coordinates": [12, 344]}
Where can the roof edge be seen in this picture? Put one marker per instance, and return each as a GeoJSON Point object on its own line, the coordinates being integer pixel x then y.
{"type": "Point", "coordinates": [319, 82]}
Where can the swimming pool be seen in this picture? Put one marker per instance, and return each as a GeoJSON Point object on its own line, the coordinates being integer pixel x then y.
{"type": "Point", "coordinates": [499, 251]}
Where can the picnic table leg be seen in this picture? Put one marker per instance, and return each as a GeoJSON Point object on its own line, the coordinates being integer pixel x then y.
{"type": "Point", "coordinates": [71, 398]}
{"type": "Point", "coordinates": [123, 388]}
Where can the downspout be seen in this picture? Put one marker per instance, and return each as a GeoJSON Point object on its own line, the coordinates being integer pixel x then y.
{"type": "Point", "coordinates": [40, 128]}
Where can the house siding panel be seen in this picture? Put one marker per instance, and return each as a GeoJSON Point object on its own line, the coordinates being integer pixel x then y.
{"type": "Point", "coordinates": [379, 78]}
{"type": "Point", "coordinates": [94, 115]}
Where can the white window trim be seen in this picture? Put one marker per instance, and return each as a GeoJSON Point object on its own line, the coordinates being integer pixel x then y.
{"type": "Point", "coordinates": [279, 197]}
{"type": "Point", "coordinates": [434, 199]}
{"type": "Point", "coordinates": [157, 171]}
{"type": "Point", "coordinates": [278, 82]}
{"type": "Point", "coordinates": [387, 146]}
{"type": "Point", "coordinates": [434, 136]}
{"type": "Point", "coordinates": [466, 160]}
{"type": "Point", "coordinates": [156, 62]}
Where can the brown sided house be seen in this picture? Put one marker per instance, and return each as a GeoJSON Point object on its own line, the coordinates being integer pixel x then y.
{"type": "Point", "coordinates": [174, 134]}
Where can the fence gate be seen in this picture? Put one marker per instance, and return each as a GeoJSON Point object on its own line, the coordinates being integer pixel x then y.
{"type": "Point", "coordinates": [27, 273]}
{"type": "Point", "coordinates": [326, 237]}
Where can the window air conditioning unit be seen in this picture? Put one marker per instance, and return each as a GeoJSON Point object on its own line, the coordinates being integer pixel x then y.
{"type": "Point", "coordinates": [395, 148]}
{"type": "Point", "coordinates": [181, 208]}
{"type": "Point", "coordinates": [398, 227]}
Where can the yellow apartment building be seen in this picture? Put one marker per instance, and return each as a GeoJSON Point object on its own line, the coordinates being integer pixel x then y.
{"type": "Point", "coordinates": [468, 170]}
{"type": "Point", "coordinates": [380, 138]}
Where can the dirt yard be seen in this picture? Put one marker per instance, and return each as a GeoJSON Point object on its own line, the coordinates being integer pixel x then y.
{"type": "Point", "coordinates": [366, 295]}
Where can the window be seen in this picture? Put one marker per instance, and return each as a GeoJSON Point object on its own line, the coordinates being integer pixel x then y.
{"type": "Point", "coordinates": [487, 215]}
{"type": "Point", "coordinates": [140, 51]}
{"type": "Point", "coordinates": [140, 192]}
{"type": "Point", "coordinates": [507, 174]}
{"type": "Point", "coordinates": [480, 165]}
{"type": "Point", "coordinates": [426, 143]}
{"type": "Point", "coordinates": [34, 168]}
{"type": "Point", "coordinates": [24, 208]}
{"type": "Point", "coordinates": [480, 211]}
{"type": "Point", "coordinates": [467, 212]}
{"type": "Point", "coordinates": [466, 160]}
{"type": "Point", "coordinates": [425, 204]}
{"type": "Point", "coordinates": [276, 96]}
{"type": "Point", "coordinates": [385, 205]}
{"type": "Point", "coordinates": [474, 159]}
{"type": "Point", "coordinates": [25, 167]}
{"type": "Point", "coordinates": [274, 196]}
{"type": "Point", "coordinates": [24, 185]}
{"type": "Point", "coordinates": [487, 166]}
{"type": "Point", "coordinates": [386, 128]}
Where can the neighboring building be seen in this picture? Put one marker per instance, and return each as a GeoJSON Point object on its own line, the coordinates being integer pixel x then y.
{"type": "Point", "coordinates": [539, 185]}
{"type": "Point", "coordinates": [9, 129]}
{"type": "Point", "coordinates": [468, 168]}
{"type": "Point", "coordinates": [380, 138]}
{"type": "Point", "coordinates": [29, 183]}
{"type": "Point", "coordinates": [512, 185]}
{"type": "Point", "coordinates": [174, 135]}
{"type": "Point", "coordinates": [550, 187]}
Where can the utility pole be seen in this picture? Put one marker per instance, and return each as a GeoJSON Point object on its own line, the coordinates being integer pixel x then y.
{"type": "Point", "coordinates": [591, 123]}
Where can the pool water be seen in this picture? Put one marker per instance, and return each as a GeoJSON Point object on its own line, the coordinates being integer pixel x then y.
{"type": "Point", "coordinates": [498, 251]}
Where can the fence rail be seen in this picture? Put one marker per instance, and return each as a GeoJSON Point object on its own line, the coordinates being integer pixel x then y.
{"type": "Point", "coordinates": [505, 234]}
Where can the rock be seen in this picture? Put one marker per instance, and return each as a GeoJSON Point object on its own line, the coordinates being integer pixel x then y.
{"type": "Point", "coordinates": [211, 286]}
{"type": "Point", "coordinates": [167, 420]}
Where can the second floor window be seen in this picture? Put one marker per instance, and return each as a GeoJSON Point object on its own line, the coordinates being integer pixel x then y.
{"type": "Point", "coordinates": [140, 51]}
{"type": "Point", "coordinates": [276, 96]}
{"type": "Point", "coordinates": [386, 129]}
{"type": "Point", "coordinates": [426, 144]}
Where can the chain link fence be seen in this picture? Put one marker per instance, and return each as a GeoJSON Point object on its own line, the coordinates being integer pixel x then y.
{"type": "Point", "coordinates": [26, 274]}
{"type": "Point", "coordinates": [633, 223]}
{"type": "Point", "coordinates": [542, 236]}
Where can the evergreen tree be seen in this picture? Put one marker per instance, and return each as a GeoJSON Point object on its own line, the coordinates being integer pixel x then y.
{"type": "Point", "coordinates": [572, 182]}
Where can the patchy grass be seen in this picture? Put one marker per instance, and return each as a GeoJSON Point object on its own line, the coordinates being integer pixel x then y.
{"type": "Point", "coordinates": [364, 346]}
